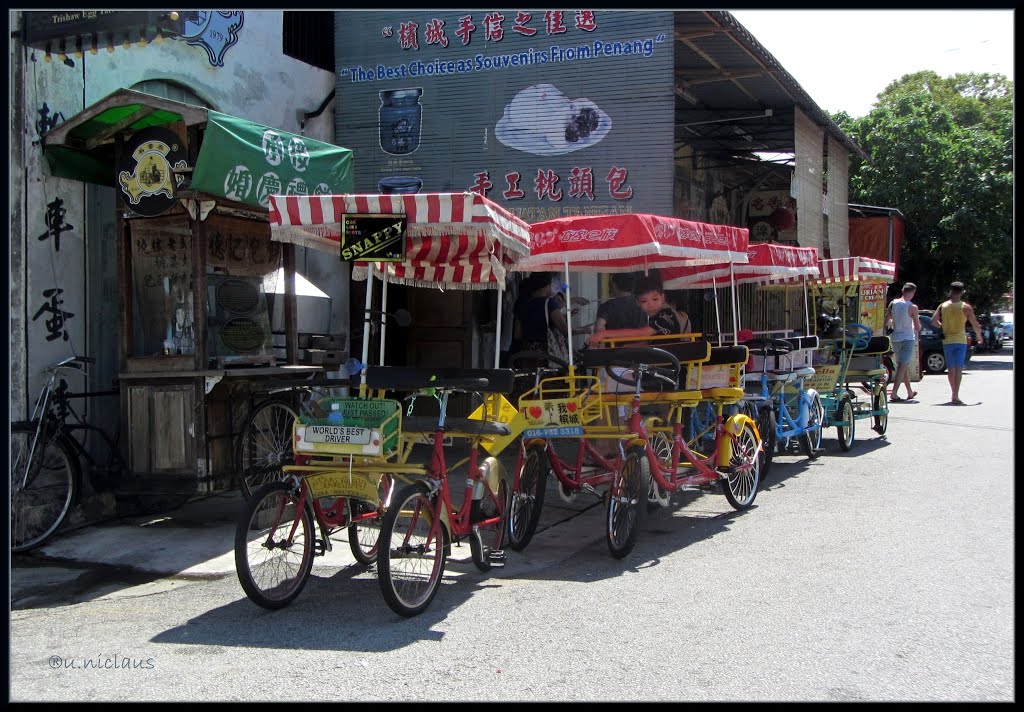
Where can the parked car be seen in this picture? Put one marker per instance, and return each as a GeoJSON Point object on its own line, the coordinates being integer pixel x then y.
{"type": "Point", "coordinates": [992, 330]}
{"type": "Point", "coordinates": [1005, 320]}
{"type": "Point", "coordinates": [933, 359]}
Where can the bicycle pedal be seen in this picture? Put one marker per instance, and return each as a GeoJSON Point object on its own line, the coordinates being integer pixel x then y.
{"type": "Point", "coordinates": [319, 547]}
{"type": "Point", "coordinates": [497, 558]}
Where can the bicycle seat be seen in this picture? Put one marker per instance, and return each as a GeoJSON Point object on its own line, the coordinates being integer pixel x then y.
{"type": "Point", "coordinates": [428, 424]}
{"type": "Point", "coordinates": [410, 378]}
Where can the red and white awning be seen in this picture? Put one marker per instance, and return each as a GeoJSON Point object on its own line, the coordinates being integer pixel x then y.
{"type": "Point", "coordinates": [628, 242]}
{"type": "Point", "coordinates": [857, 269]}
{"type": "Point", "coordinates": [456, 240]}
{"type": "Point", "coordinates": [767, 263]}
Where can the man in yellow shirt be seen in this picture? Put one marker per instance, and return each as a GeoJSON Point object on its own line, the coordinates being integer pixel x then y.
{"type": "Point", "coordinates": [952, 317]}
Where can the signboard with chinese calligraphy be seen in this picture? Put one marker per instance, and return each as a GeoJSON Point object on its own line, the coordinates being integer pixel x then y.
{"type": "Point", "coordinates": [548, 113]}
{"type": "Point", "coordinates": [373, 238]}
{"type": "Point", "coordinates": [248, 162]}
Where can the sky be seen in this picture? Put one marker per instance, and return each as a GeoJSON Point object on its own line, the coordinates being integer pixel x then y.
{"type": "Point", "coordinates": [844, 58]}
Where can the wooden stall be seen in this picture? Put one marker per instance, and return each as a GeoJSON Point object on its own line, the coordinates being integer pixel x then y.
{"type": "Point", "coordinates": [198, 274]}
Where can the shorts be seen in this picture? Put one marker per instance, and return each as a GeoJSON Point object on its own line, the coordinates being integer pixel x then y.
{"type": "Point", "coordinates": [903, 351]}
{"type": "Point", "coordinates": [956, 355]}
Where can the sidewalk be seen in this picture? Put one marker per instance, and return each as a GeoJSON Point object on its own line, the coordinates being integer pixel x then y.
{"type": "Point", "coordinates": [196, 539]}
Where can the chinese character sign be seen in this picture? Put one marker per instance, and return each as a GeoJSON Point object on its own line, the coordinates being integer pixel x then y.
{"type": "Point", "coordinates": [547, 112]}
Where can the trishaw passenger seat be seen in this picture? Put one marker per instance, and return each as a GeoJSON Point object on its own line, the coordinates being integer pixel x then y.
{"type": "Point", "coordinates": [409, 378]}
{"type": "Point", "coordinates": [877, 345]}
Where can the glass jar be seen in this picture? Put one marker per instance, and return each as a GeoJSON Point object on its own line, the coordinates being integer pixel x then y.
{"type": "Point", "coordinates": [399, 120]}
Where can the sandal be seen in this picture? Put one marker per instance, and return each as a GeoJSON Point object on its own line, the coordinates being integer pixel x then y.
{"type": "Point", "coordinates": [957, 401]}
{"type": "Point", "coordinates": [912, 396]}
{"type": "Point", "coordinates": [896, 399]}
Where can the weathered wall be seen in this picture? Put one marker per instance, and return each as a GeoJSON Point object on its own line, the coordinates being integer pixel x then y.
{"type": "Point", "coordinates": [63, 275]}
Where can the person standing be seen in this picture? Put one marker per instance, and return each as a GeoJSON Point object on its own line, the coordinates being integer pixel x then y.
{"type": "Point", "coordinates": [902, 315]}
{"type": "Point", "coordinates": [952, 317]}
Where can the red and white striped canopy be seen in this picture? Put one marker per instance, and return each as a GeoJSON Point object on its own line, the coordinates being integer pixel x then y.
{"type": "Point", "coordinates": [456, 240]}
{"type": "Point", "coordinates": [628, 242]}
{"type": "Point", "coordinates": [857, 269]}
{"type": "Point", "coordinates": [767, 263]}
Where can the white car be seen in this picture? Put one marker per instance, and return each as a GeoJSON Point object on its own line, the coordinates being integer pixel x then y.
{"type": "Point", "coordinates": [1005, 320]}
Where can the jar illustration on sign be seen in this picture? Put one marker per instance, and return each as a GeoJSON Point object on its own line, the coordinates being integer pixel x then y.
{"type": "Point", "coordinates": [400, 184]}
{"type": "Point", "coordinates": [400, 114]}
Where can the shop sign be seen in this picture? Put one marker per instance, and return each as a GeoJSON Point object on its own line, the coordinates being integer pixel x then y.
{"type": "Point", "coordinates": [49, 28]}
{"type": "Point", "coordinates": [377, 238]}
{"type": "Point", "coordinates": [145, 171]}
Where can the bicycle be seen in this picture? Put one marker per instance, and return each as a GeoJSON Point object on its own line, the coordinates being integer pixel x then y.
{"type": "Point", "coordinates": [265, 442]}
{"type": "Point", "coordinates": [785, 408]}
{"type": "Point", "coordinates": [46, 458]}
{"type": "Point", "coordinates": [345, 475]}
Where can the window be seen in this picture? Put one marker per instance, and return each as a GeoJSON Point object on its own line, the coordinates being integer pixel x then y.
{"type": "Point", "coordinates": [308, 35]}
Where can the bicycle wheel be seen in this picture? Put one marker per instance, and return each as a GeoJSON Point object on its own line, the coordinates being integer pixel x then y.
{"type": "Point", "coordinates": [411, 560]}
{"type": "Point", "coordinates": [627, 502]}
{"type": "Point", "coordinates": [265, 445]}
{"type": "Point", "coordinates": [528, 499]}
{"type": "Point", "coordinates": [43, 492]}
{"type": "Point", "coordinates": [364, 535]}
{"type": "Point", "coordinates": [766, 424]}
{"type": "Point", "coordinates": [845, 433]}
{"type": "Point", "coordinates": [485, 542]}
{"type": "Point", "coordinates": [661, 444]}
{"type": "Point", "coordinates": [273, 546]}
{"type": "Point", "coordinates": [810, 440]}
{"type": "Point", "coordinates": [744, 475]}
{"type": "Point", "coordinates": [880, 402]}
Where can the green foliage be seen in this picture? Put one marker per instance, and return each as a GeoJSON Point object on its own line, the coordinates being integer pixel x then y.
{"type": "Point", "coordinates": [942, 153]}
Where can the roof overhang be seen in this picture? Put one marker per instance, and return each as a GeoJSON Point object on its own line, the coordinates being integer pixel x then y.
{"type": "Point", "coordinates": [82, 147]}
{"type": "Point", "coordinates": [732, 96]}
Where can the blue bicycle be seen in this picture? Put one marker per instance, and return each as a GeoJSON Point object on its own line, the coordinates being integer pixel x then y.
{"type": "Point", "coordinates": [787, 413]}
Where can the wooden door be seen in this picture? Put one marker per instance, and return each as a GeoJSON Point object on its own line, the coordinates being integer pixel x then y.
{"type": "Point", "coordinates": [441, 329]}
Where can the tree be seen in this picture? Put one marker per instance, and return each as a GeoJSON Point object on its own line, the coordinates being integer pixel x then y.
{"type": "Point", "coordinates": [941, 151]}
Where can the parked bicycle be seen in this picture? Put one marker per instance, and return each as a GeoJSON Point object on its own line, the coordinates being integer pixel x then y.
{"type": "Point", "coordinates": [47, 452]}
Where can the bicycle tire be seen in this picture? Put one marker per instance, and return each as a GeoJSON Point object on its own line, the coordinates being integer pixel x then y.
{"type": "Point", "coordinates": [766, 427]}
{"type": "Point", "coordinates": [40, 507]}
{"type": "Point", "coordinates": [880, 402]}
{"type": "Point", "coordinates": [487, 507]}
{"type": "Point", "coordinates": [846, 433]}
{"type": "Point", "coordinates": [810, 440]}
{"type": "Point", "coordinates": [627, 502]}
{"type": "Point", "coordinates": [524, 510]}
{"type": "Point", "coordinates": [740, 488]}
{"type": "Point", "coordinates": [259, 559]}
{"type": "Point", "coordinates": [364, 535]}
{"type": "Point", "coordinates": [412, 555]}
{"type": "Point", "coordinates": [265, 445]}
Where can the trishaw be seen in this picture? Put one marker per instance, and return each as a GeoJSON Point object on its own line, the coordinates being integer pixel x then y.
{"type": "Point", "coordinates": [785, 410]}
{"type": "Point", "coordinates": [578, 407]}
{"type": "Point", "coordinates": [354, 465]}
{"type": "Point", "coordinates": [849, 300]}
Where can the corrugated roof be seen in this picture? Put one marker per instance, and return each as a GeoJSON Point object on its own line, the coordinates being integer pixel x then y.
{"type": "Point", "coordinates": [732, 95]}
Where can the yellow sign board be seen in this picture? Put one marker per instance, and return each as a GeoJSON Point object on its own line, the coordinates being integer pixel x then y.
{"type": "Point", "coordinates": [497, 408]}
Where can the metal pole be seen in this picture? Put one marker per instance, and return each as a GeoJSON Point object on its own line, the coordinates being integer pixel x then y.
{"type": "Point", "coordinates": [735, 307]}
{"type": "Point", "coordinates": [383, 311]}
{"type": "Point", "coordinates": [568, 313]}
{"type": "Point", "coordinates": [366, 328]}
{"type": "Point", "coordinates": [718, 316]}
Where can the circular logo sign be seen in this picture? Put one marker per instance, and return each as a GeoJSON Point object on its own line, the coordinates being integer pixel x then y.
{"type": "Point", "coordinates": [145, 175]}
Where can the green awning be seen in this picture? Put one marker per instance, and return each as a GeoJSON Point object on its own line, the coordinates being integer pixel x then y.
{"type": "Point", "coordinates": [238, 159]}
{"type": "Point", "coordinates": [248, 162]}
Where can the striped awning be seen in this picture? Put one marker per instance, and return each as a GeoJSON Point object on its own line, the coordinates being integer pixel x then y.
{"type": "Point", "coordinates": [857, 269]}
{"type": "Point", "coordinates": [627, 242]}
{"type": "Point", "coordinates": [767, 263]}
{"type": "Point", "coordinates": [455, 240]}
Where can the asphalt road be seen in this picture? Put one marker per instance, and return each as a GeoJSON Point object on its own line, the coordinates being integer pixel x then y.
{"type": "Point", "coordinates": [882, 574]}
